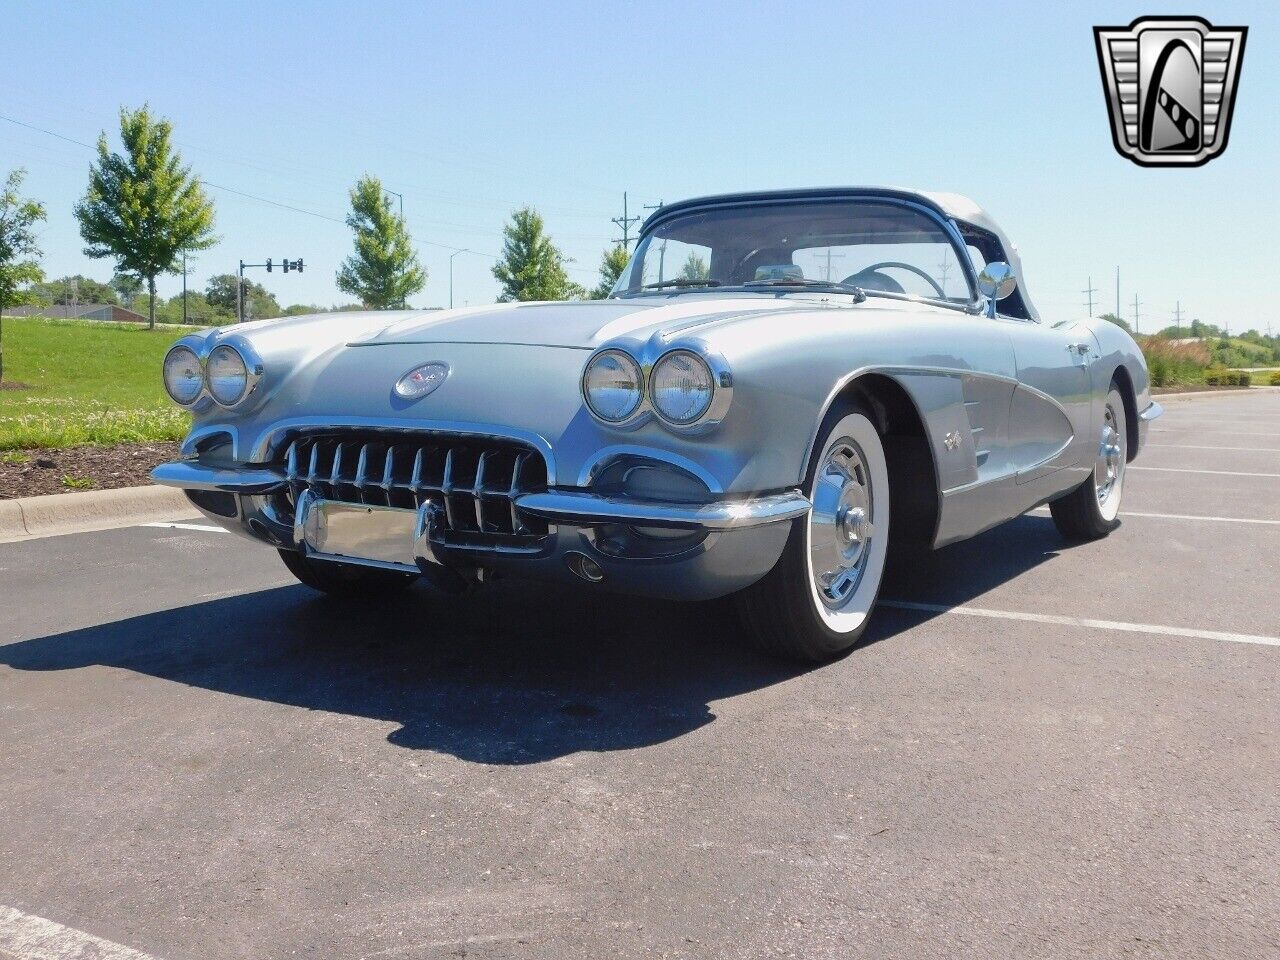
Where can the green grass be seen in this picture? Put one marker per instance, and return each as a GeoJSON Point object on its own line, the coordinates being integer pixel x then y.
{"type": "Point", "coordinates": [92, 383]}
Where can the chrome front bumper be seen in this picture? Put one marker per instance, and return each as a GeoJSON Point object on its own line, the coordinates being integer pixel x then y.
{"type": "Point", "coordinates": [731, 543]}
{"type": "Point", "coordinates": [1152, 411]}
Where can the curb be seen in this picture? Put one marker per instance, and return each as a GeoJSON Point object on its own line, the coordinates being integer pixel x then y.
{"type": "Point", "coordinates": [1225, 392]}
{"type": "Point", "coordinates": [27, 518]}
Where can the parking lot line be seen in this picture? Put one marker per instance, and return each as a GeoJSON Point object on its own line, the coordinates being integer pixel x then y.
{"type": "Point", "coordinates": [1221, 433]}
{"type": "Point", "coordinates": [1220, 473]}
{"type": "Point", "coordinates": [28, 937]}
{"type": "Point", "coordinates": [207, 528]}
{"type": "Point", "coordinates": [1194, 446]}
{"type": "Point", "coordinates": [1117, 625]}
{"type": "Point", "coordinates": [1044, 511]}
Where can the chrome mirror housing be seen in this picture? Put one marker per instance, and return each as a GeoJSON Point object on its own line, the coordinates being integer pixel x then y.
{"type": "Point", "coordinates": [995, 282]}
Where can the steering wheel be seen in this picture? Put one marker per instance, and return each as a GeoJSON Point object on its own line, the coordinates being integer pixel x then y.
{"type": "Point", "coordinates": [853, 278]}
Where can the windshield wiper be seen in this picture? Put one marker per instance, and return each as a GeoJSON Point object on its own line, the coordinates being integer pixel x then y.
{"type": "Point", "coordinates": [680, 282]}
{"type": "Point", "coordinates": [858, 293]}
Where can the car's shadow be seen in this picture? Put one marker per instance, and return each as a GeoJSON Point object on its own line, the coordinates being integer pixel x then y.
{"type": "Point", "coordinates": [515, 673]}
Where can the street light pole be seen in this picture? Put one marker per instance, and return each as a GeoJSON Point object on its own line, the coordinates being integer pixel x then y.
{"type": "Point", "coordinates": [451, 256]}
{"type": "Point", "coordinates": [400, 197]}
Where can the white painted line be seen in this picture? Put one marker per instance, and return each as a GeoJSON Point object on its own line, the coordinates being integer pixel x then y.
{"type": "Point", "coordinates": [28, 937]}
{"type": "Point", "coordinates": [1193, 446]}
{"type": "Point", "coordinates": [1183, 516]}
{"type": "Point", "coordinates": [186, 526]}
{"type": "Point", "coordinates": [1217, 432]}
{"type": "Point", "coordinates": [1179, 516]}
{"type": "Point", "coordinates": [1218, 473]}
{"type": "Point", "coordinates": [1085, 622]}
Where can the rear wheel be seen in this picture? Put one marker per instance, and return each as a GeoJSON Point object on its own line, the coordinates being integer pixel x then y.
{"type": "Point", "coordinates": [1091, 511]}
{"type": "Point", "coordinates": [344, 579]}
{"type": "Point", "coordinates": [815, 603]}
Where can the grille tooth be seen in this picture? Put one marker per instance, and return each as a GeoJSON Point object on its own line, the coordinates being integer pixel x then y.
{"type": "Point", "coordinates": [476, 483]}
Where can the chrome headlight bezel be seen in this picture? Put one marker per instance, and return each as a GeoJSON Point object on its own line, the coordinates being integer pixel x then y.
{"type": "Point", "coordinates": [647, 355]}
{"type": "Point", "coordinates": [665, 416]}
{"type": "Point", "coordinates": [203, 348]}
{"type": "Point", "coordinates": [641, 381]}
{"type": "Point", "coordinates": [164, 379]}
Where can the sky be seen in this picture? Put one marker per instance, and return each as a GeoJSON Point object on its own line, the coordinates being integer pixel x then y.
{"type": "Point", "coordinates": [471, 110]}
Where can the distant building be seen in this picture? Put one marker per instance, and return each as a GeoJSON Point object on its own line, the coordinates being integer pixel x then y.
{"type": "Point", "coordinates": [81, 311]}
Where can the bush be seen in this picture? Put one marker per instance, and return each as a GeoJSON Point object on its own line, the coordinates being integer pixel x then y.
{"type": "Point", "coordinates": [1275, 378]}
{"type": "Point", "coordinates": [1172, 363]}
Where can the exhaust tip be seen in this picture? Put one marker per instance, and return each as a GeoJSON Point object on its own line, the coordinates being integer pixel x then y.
{"type": "Point", "coordinates": [584, 567]}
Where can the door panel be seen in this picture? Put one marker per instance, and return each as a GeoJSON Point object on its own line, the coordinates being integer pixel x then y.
{"type": "Point", "coordinates": [1051, 416]}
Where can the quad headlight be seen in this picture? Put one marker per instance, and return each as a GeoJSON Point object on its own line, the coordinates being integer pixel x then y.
{"type": "Point", "coordinates": [183, 375]}
{"type": "Point", "coordinates": [681, 387]}
{"type": "Point", "coordinates": [227, 375]}
{"type": "Point", "coordinates": [613, 385]}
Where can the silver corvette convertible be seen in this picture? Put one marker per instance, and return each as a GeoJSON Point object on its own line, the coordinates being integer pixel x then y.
{"type": "Point", "coordinates": [781, 389]}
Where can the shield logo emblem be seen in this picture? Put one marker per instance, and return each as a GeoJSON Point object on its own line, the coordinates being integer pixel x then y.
{"type": "Point", "coordinates": [1170, 84]}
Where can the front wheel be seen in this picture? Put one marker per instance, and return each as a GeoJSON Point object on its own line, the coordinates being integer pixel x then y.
{"type": "Point", "coordinates": [344, 579]}
{"type": "Point", "coordinates": [815, 603]}
{"type": "Point", "coordinates": [1092, 510]}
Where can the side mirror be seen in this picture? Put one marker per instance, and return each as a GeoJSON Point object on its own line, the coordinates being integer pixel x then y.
{"type": "Point", "coordinates": [995, 282]}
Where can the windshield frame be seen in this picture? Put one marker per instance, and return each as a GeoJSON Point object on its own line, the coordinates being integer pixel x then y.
{"type": "Point", "coordinates": [947, 225]}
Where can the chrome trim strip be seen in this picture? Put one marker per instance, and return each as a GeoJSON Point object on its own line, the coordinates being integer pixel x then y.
{"type": "Point", "coordinates": [190, 475]}
{"type": "Point", "coordinates": [576, 508]}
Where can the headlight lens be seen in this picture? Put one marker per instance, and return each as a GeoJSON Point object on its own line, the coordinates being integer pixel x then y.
{"type": "Point", "coordinates": [183, 377]}
{"type": "Point", "coordinates": [227, 374]}
{"type": "Point", "coordinates": [681, 387]}
{"type": "Point", "coordinates": [613, 385]}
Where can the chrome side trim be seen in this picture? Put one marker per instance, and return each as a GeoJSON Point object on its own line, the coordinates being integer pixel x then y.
{"type": "Point", "coordinates": [576, 508]}
{"type": "Point", "coordinates": [190, 475]}
{"type": "Point", "coordinates": [1153, 410]}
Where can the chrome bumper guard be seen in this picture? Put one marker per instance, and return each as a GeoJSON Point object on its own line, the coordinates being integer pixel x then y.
{"type": "Point", "coordinates": [568, 507]}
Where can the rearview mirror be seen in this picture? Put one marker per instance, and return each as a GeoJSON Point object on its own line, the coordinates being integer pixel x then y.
{"type": "Point", "coordinates": [995, 282]}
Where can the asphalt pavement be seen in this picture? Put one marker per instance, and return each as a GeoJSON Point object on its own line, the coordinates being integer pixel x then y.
{"type": "Point", "coordinates": [1046, 751]}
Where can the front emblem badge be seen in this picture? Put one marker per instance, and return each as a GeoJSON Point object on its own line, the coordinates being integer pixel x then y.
{"type": "Point", "coordinates": [420, 381]}
{"type": "Point", "coordinates": [1171, 86]}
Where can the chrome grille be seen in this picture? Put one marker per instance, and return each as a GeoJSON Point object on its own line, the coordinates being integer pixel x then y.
{"type": "Point", "coordinates": [475, 480]}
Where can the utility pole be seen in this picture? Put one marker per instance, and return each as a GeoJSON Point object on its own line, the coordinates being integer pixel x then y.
{"type": "Point", "coordinates": [840, 256]}
{"type": "Point", "coordinates": [944, 267]}
{"type": "Point", "coordinates": [1089, 291]}
{"type": "Point", "coordinates": [624, 222]}
{"type": "Point", "coordinates": [184, 287]}
{"type": "Point", "coordinates": [1135, 313]}
{"type": "Point", "coordinates": [1117, 291]}
{"type": "Point", "coordinates": [400, 197]}
{"type": "Point", "coordinates": [1177, 320]}
{"type": "Point", "coordinates": [451, 256]}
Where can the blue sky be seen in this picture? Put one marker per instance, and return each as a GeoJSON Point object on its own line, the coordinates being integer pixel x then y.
{"type": "Point", "coordinates": [471, 110]}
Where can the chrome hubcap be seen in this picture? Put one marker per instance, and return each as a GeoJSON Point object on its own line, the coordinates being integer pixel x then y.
{"type": "Point", "coordinates": [1110, 463]}
{"type": "Point", "coordinates": [840, 523]}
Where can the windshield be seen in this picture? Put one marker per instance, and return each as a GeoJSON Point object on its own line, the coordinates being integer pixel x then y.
{"type": "Point", "coordinates": [878, 246]}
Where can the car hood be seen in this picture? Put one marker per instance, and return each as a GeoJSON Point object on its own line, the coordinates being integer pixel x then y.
{"type": "Point", "coordinates": [580, 324]}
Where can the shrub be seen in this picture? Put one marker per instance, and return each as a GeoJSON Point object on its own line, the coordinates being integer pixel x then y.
{"type": "Point", "coordinates": [1172, 363]}
{"type": "Point", "coordinates": [1275, 378]}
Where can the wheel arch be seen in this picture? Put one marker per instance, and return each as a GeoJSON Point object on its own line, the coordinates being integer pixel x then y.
{"type": "Point", "coordinates": [913, 473]}
{"type": "Point", "coordinates": [1124, 380]}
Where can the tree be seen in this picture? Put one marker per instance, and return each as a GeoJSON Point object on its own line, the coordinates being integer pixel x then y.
{"type": "Point", "coordinates": [612, 262]}
{"type": "Point", "coordinates": [127, 288]}
{"type": "Point", "coordinates": [1111, 317]}
{"type": "Point", "coordinates": [66, 291]}
{"type": "Point", "coordinates": [384, 271]}
{"type": "Point", "coordinates": [144, 208]}
{"type": "Point", "coordinates": [695, 267]}
{"type": "Point", "coordinates": [258, 302]}
{"type": "Point", "coordinates": [531, 267]}
{"type": "Point", "coordinates": [19, 249]}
